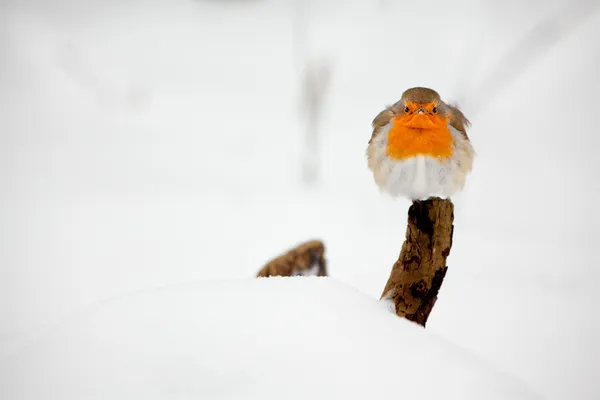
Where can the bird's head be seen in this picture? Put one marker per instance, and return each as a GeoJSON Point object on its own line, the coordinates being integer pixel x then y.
{"type": "Point", "coordinates": [420, 126]}
{"type": "Point", "coordinates": [422, 108]}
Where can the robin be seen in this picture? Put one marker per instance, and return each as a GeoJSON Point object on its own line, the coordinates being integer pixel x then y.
{"type": "Point", "coordinates": [419, 147]}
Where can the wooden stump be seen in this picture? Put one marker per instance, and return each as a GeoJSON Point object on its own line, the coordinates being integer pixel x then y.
{"type": "Point", "coordinates": [306, 259]}
{"type": "Point", "coordinates": [417, 276]}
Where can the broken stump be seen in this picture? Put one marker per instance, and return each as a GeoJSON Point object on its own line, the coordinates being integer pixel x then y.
{"type": "Point", "coordinates": [307, 259]}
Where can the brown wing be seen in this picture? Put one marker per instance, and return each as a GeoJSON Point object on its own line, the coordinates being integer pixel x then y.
{"type": "Point", "coordinates": [458, 120]}
{"type": "Point", "coordinates": [381, 120]}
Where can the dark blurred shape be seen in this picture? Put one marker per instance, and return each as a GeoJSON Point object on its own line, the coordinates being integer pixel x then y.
{"type": "Point", "coordinates": [315, 85]}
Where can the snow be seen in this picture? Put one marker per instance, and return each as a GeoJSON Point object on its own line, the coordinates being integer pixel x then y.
{"type": "Point", "coordinates": [268, 338]}
{"type": "Point", "coordinates": [145, 144]}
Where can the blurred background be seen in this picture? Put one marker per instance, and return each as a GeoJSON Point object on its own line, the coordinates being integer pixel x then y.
{"type": "Point", "coordinates": [146, 143]}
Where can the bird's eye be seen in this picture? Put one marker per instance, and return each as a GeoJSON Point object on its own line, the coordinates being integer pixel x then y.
{"type": "Point", "coordinates": [434, 110]}
{"type": "Point", "coordinates": [406, 109]}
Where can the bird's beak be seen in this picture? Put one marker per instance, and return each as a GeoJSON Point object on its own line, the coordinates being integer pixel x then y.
{"type": "Point", "coordinates": [421, 110]}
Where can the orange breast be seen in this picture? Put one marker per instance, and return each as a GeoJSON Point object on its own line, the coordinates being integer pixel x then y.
{"type": "Point", "coordinates": [415, 135]}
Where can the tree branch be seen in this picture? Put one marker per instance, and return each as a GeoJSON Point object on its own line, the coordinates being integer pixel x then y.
{"type": "Point", "coordinates": [418, 274]}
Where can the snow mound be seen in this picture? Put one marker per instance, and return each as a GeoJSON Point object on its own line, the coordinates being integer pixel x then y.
{"type": "Point", "coordinates": [270, 338]}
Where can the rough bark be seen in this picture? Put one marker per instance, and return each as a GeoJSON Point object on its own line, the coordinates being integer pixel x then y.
{"type": "Point", "coordinates": [305, 259]}
{"type": "Point", "coordinates": [417, 276]}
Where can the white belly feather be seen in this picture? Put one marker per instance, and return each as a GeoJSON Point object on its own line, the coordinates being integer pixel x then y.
{"type": "Point", "coordinates": [420, 177]}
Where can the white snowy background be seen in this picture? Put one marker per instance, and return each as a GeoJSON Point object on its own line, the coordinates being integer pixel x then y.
{"type": "Point", "coordinates": [151, 143]}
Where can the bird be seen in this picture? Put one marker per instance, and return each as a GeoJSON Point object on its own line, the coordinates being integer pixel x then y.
{"type": "Point", "coordinates": [419, 147]}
